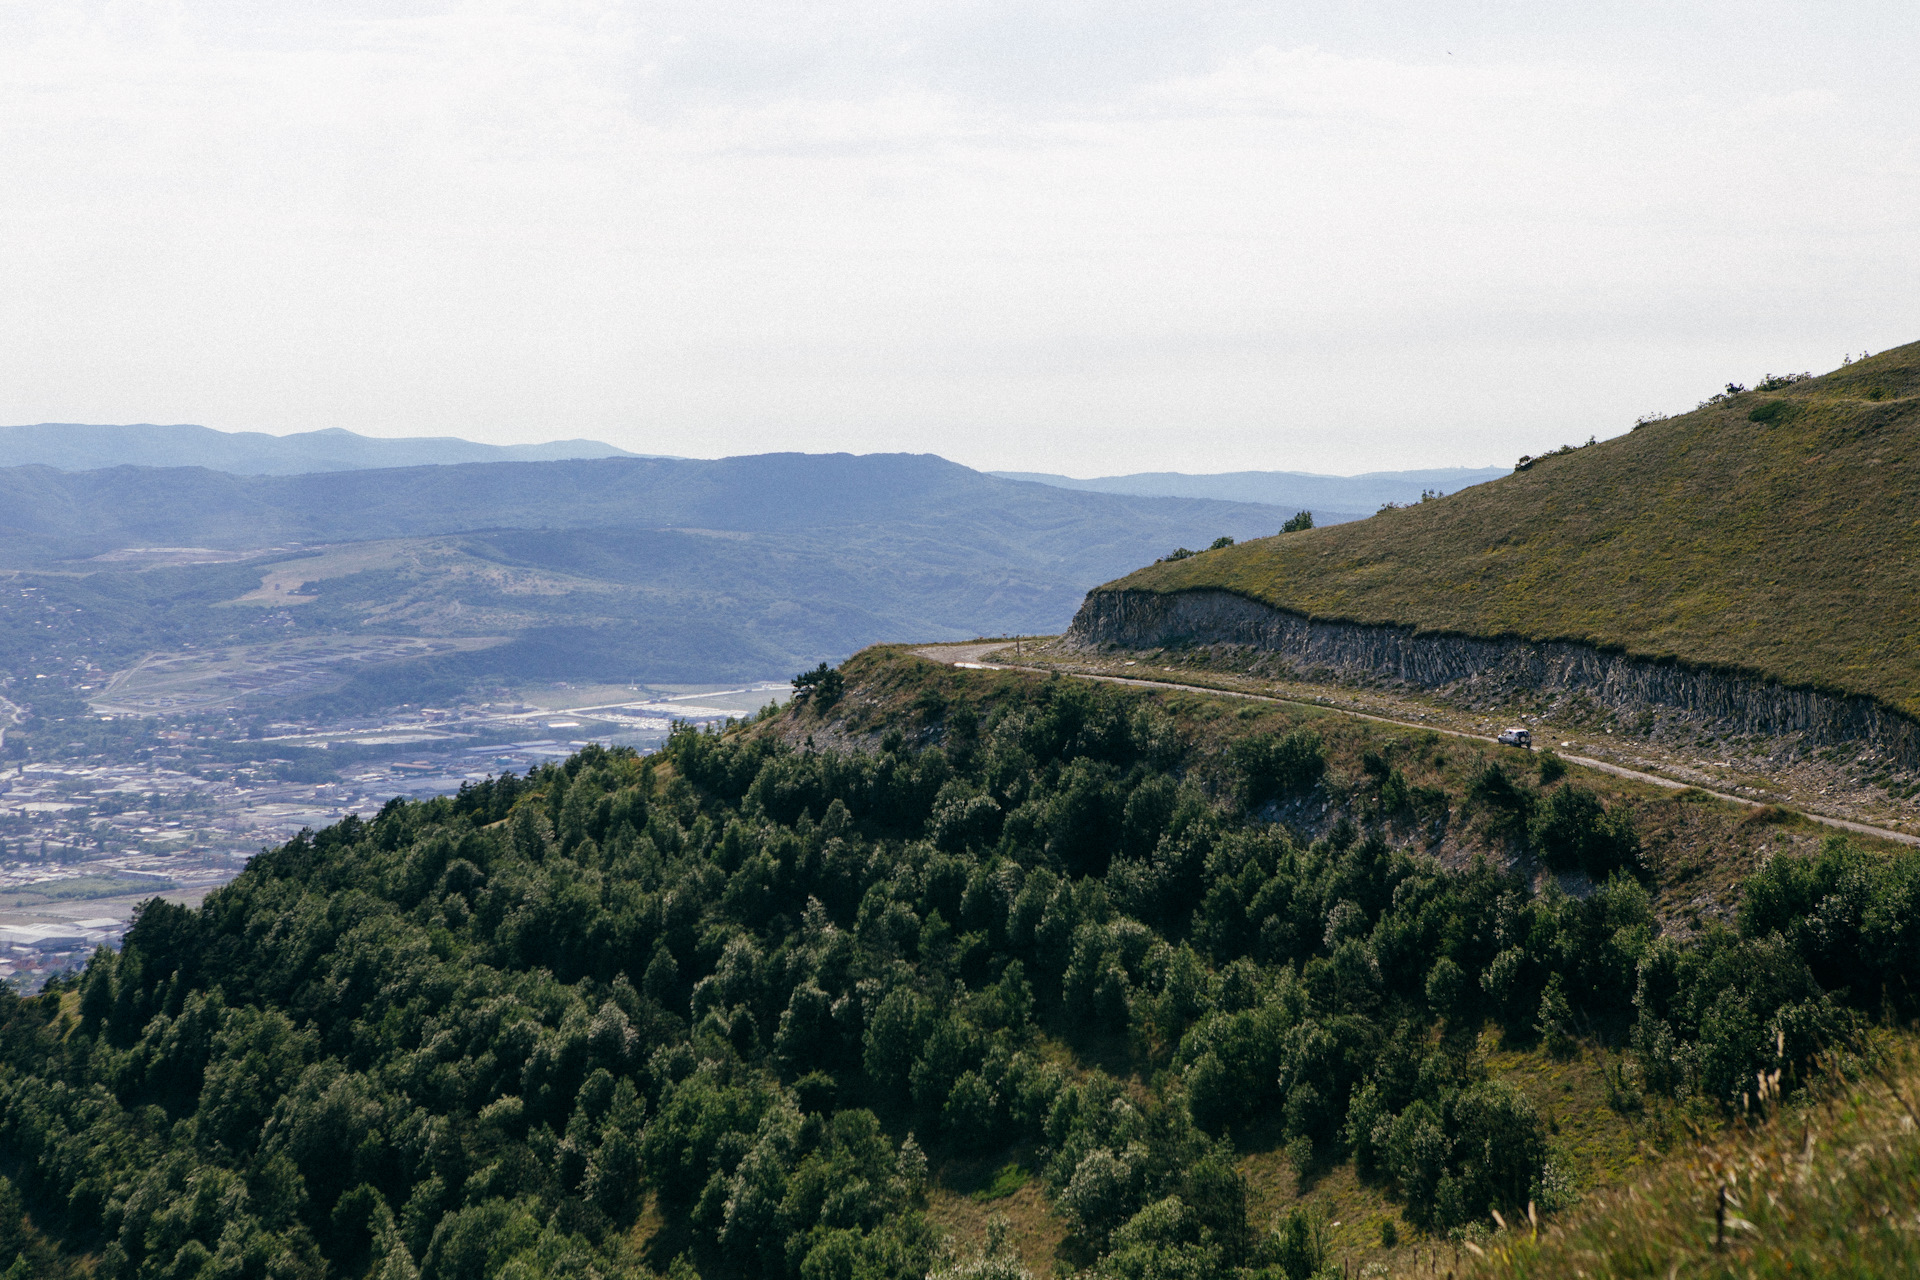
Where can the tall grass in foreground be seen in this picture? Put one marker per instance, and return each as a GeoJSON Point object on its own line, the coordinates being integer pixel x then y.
{"type": "Point", "coordinates": [1827, 1188]}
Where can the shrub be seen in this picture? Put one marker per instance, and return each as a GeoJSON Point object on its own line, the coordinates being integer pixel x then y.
{"type": "Point", "coordinates": [1574, 832]}
{"type": "Point", "coordinates": [1298, 521]}
{"type": "Point", "coordinates": [971, 1113]}
{"type": "Point", "coordinates": [1297, 1247]}
{"type": "Point", "coordinates": [1161, 1242]}
{"type": "Point", "coordinates": [822, 684]}
{"type": "Point", "coordinates": [1416, 1158]}
{"type": "Point", "coordinates": [1300, 1160]}
{"type": "Point", "coordinates": [1500, 1145]}
{"type": "Point", "coordinates": [1554, 1023]}
{"type": "Point", "coordinates": [1510, 985]}
{"type": "Point", "coordinates": [1272, 768]}
{"type": "Point", "coordinates": [963, 819]}
{"type": "Point", "coordinates": [1222, 541]}
{"type": "Point", "coordinates": [1508, 805]}
{"type": "Point", "coordinates": [1100, 1195]}
{"type": "Point", "coordinates": [1552, 768]}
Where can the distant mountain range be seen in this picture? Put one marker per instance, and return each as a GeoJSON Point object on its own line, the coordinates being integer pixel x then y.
{"type": "Point", "coordinates": [1332, 499]}
{"type": "Point", "coordinates": [617, 568]}
{"type": "Point", "coordinates": [613, 566]}
{"type": "Point", "coordinates": [70, 446]}
{"type": "Point", "coordinates": [47, 514]}
{"type": "Point", "coordinates": [77, 446]}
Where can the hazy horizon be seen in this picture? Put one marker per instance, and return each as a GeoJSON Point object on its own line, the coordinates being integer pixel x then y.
{"type": "Point", "coordinates": [1024, 237]}
{"type": "Point", "coordinates": [1007, 472]}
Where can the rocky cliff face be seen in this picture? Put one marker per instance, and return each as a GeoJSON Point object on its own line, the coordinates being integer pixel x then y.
{"type": "Point", "coordinates": [1729, 702]}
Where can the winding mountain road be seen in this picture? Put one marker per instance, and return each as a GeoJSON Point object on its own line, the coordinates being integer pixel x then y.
{"type": "Point", "coordinates": [974, 654]}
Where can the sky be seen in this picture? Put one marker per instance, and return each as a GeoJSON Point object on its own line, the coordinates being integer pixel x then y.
{"type": "Point", "coordinates": [1079, 237]}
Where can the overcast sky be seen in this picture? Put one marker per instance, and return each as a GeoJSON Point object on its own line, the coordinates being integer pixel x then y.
{"type": "Point", "coordinates": [1079, 237]}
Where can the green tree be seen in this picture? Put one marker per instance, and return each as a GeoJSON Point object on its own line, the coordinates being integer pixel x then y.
{"type": "Point", "coordinates": [1575, 832]}
{"type": "Point", "coordinates": [1276, 767]}
{"type": "Point", "coordinates": [823, 686]}
{"type": "Point", "coordinates": [1508, 805]}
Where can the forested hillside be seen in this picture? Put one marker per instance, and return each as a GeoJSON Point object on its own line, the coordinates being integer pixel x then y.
{"type": "Point", "coordinates": [750, 1007]}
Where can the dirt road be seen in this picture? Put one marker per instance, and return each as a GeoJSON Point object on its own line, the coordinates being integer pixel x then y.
{"type": "Point", "coordinates": [975, 654]}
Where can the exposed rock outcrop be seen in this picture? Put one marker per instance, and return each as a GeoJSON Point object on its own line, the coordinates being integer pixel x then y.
{"type": "Point", "coordinates": [1730, 702]}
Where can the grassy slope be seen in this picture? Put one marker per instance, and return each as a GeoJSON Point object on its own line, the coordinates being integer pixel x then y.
{"type": "Point", "coordinates": [1598, 1137]}
{"type": "Point", "coordinates": [1826, 1187]}
{"type": "Point", "coordinates": [1788, 547]}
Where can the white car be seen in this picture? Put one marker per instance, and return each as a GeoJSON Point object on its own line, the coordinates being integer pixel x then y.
{"type": "Point", "coordinates": [1517, 738]}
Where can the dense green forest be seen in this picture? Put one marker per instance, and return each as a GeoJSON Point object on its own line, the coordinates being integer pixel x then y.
{"type": "Point", "coordinates": [726, 1010]}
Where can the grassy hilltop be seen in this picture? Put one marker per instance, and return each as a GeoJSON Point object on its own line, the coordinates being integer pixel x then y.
{"type": "Point", "coordinates": [1771, 531]}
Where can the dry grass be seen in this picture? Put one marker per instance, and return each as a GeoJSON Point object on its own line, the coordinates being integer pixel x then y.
{"type": "Point", "coordinates": [1785, 547]}
{"type": "Point", "coordinates": [1033, 1229]}
{"type": "Point", "coordinates": [1827, 1188]}
{"type": "Point", "coordinates": [1596, 1143]}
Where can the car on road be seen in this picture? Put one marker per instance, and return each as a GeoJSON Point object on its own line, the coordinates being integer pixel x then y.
{"type": "Point", "coordinates": [1517, 738]}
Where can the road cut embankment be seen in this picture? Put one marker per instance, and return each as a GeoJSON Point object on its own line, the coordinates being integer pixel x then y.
{"type": "Point", "coordinates": [1728, 702]}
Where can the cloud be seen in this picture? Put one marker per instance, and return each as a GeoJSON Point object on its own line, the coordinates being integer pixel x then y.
{"type": "Point", "coordinates": [1054, 235]}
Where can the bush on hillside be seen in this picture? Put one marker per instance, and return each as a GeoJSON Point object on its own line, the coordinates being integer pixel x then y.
{"type": "Point", "coordinates": [1477, 1148]}
{"type": "Point", "coordinates": [1552, 767]}
{"type": "Point", "coordinates": [1276, 767]}
{"type": "Point", "coordinates": [823, 685]}
{"type": "Point", "coordinates": [1506, 804]}
{"type": "Point", "coordinates": [1297, 521]}
{"type": "Point", "coordinates": [1573, 831]}
{"type": "Point", "coordinates": [1848, 914]}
